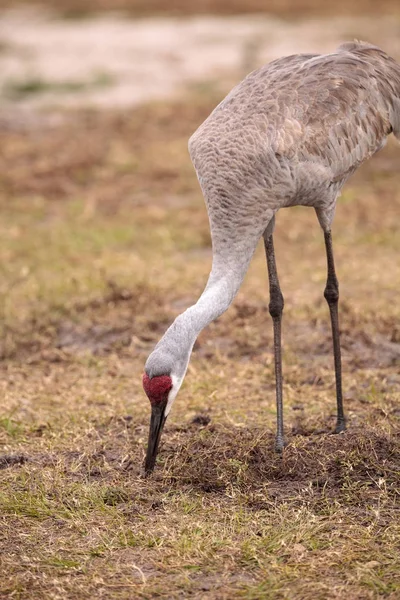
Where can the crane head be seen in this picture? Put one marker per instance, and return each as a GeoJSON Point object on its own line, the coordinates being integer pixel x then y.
{"type": "Point", "coordinates": [158, 392]}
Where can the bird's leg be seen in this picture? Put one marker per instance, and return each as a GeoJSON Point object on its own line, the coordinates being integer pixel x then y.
{"type": "Point", "coordinates": [275, 309]}
{"type": "Point", "coordinates": [331, 294]}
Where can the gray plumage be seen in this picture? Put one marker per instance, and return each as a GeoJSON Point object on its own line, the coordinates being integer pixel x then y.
{"type": "Point", "coordinates": [290, 133]}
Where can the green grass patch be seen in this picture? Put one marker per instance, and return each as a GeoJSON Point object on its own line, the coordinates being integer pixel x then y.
{"type": "Point", "coordinates": [18, 90]}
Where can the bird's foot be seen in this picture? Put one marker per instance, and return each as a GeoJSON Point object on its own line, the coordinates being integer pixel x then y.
{"type": "Point", "coordinates": [340, 426]}
{"type": "Point", "coordinates": [280, 443]}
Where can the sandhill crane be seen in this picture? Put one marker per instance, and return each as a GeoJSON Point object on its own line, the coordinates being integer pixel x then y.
{"type": "Point", "coordinates": [290, 133]}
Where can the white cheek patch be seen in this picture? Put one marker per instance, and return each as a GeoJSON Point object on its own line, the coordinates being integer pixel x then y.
{"type": "Point", "coordinates": [176, 384]}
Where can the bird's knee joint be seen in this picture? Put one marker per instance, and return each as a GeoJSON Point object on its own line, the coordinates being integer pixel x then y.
{"type": "Point", "coordinates": [331, 293]}
{"type": "Point", "coordinates": [276, 304]}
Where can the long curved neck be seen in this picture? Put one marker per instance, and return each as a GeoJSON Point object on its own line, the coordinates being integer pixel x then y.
{"type": "Point", "coordinates": [222, 286]}
{"type": "Point", "coordinates": [176, 345]}
{"type": "Point", "coordinates": [215, 299]}
{"type": "Point", "coordinates": [230, 262]}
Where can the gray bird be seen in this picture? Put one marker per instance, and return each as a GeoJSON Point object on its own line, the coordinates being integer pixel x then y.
{"type": "Point", "coordinates": [289, 134]}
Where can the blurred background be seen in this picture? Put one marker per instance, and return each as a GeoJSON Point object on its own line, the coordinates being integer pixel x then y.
{"type": "Point", "coordinates": [118, 54]}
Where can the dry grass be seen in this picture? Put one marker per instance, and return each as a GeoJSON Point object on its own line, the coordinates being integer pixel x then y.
{"type": "Point", "coordinates": [104, 239]}
{"type": "Point", "coordinates": [284, 8]}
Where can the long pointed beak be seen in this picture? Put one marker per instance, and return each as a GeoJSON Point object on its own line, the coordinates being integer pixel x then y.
{"type": "Point", "coordinates": [157, 421]}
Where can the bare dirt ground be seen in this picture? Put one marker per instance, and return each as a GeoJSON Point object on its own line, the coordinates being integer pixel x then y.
{"type": "Point", "coordinates": [103, 240]}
